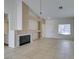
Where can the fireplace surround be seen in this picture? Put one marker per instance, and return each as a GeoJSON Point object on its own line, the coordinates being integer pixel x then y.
{"type": "Point", "coordinates": [23, 39]}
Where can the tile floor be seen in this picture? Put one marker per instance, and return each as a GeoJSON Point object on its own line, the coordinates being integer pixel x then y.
{"type": "Point", "coordinates": [42, 49]}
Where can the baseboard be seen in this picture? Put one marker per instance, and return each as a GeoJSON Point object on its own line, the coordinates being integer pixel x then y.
{"type": "Point", "coordinates": [50, 38]}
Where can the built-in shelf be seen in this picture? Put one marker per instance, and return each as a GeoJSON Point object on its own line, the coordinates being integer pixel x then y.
{"type": "Point", "coordinates": [34, 30]}
{"type": "Point", "coordinates": [29, 31]}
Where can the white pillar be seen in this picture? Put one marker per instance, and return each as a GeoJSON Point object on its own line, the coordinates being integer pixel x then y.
{"type": "Point", "coordinates": [11, 40]}
{"type": "Point", "coordinates": [19, 15]}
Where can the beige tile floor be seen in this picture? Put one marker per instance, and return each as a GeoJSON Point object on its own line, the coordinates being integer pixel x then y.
{"type": "Point", "coordinates": [42, 49]}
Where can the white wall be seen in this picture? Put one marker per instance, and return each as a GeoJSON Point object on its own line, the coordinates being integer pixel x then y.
{"type": "Point", "coordinates": [51, 28]}
{"type": "Point", "coordinates": [33, 26]}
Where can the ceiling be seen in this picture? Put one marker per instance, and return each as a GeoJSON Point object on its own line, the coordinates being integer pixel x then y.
{"type": "Point", "coordinates": [50, 8]}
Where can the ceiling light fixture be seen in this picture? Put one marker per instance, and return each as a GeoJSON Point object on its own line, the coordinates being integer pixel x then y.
{"type": "Point", "coordinates": [41, 11]}
{"type": "Point", "coordinates": [40, 7]}
{"type": "Point", "coordinates": [60, 7]}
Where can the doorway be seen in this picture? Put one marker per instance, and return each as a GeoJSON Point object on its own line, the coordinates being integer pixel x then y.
{"type": "Point", "coordinates": [6, 29]}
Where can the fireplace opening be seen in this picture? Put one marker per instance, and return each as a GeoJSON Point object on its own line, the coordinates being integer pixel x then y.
{"type": "Point", "coordinates": [24, 39]}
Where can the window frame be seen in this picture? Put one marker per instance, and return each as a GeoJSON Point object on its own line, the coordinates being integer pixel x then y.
{"type": "Point", "coordinates": [62, 29]}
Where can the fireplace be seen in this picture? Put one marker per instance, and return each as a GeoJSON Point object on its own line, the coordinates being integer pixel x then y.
{"type": "Point", "coordinates": [24, 39]}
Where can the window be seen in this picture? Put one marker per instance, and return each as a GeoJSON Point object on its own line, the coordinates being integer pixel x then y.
{"type": "Point", "coordinates": [64, 29]}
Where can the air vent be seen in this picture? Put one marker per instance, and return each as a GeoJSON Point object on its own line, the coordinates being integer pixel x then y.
{"type": "Point", "coordinates": [60, 7]}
